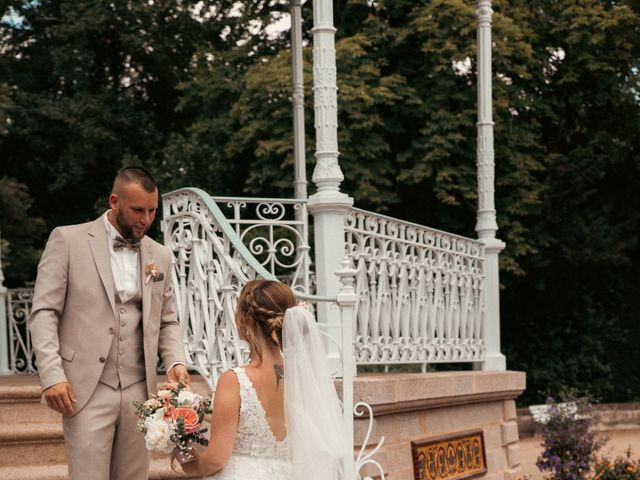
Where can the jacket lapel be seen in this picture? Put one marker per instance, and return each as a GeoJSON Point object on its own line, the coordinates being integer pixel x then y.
{"type": "Point", "coordinates": [100, 250]}
{"type": "Point", "coordinates": [146, 257]}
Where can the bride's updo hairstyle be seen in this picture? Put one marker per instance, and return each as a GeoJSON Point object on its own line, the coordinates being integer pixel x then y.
{"type": "Point", "coordinates": [261, 305]}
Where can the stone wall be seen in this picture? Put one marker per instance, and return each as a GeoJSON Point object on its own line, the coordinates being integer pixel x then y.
{"type": "Point", "coordinates": [606, 417]}
{"type": "Point", "coordinates": [413, 407]}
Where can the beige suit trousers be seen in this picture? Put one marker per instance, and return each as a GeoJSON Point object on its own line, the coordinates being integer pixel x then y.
{"type": "Point", "coordinates": [101, 440]}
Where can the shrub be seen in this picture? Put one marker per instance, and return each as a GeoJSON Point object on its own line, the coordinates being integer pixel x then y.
{"type": "Point", "coordinates": [569, 444]}
{"type": "Point", "coordinates": [623, 468]}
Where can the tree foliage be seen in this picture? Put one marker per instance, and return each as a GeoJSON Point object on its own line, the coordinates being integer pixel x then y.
{"type": "Point", "coordinates": [199, 92]}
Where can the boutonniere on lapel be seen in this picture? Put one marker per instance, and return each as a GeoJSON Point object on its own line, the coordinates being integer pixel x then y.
{"type": "Point", "coordinates": [152, 273]}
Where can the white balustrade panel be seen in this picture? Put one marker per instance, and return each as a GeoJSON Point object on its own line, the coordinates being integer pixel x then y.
{"type": "Point", "coordinates": [419, 290]}
{"type": "Point", "coordinates": [276, 232]}
{"type": "Point", "coordinates": [21, 355]}
{"type": "Point", "coordinates": [208, 276]}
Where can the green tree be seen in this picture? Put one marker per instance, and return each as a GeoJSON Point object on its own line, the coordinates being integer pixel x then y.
{"type": "Point", "coordinates": [93, 87]}
{"type": "Point", "coordinates": [205, 153]}
{"type": "Point", "coordinates": [199, 92]}
{"type": "Point", "coordinates": [572, 320]}
{"type": "Point", "coordinates": [20, 233]}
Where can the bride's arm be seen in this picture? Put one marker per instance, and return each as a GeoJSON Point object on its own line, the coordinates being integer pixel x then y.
{"type": "Point", "coordinates": [224, 425]}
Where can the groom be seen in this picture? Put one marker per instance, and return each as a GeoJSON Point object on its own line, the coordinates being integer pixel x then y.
{"type": "Point", "coordinates": [102, 311]}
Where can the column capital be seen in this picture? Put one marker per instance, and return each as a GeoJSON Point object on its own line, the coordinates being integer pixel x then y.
{"type": "Point", "coordinates": [484, 12]}
{"type": "Point", "coordinates": [492, 245]}
{"type": "Point", "coordinates": [329, 201]}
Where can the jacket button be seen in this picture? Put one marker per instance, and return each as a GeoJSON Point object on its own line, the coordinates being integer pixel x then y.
{"type": "Point", "coordinates": [112, 331]}
{"type": "Point", "coordinates": [102, 359]}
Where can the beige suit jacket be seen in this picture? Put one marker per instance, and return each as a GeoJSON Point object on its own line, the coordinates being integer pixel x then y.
{"type": "Point", "coordinates": [74, 309]}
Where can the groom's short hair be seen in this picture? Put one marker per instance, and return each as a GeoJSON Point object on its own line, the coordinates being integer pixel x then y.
{"type": "Point", "coordinates": [139, 175]}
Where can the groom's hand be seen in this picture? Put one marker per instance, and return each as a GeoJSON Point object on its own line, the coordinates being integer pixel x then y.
{"type": "Point", "coordinates": [60, 398]}
{"type": "Point", "coordinates": [178, 373]}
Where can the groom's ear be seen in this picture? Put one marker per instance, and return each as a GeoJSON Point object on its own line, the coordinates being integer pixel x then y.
{"type": "Point", "coordinates": [113, 201]}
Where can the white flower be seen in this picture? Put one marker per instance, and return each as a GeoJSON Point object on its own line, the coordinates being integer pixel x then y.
{"type": "Point", "coordinates": [157, 415]}
{"type": "Point", "coordinates": [158, 436]}
{"type": "Point", "coordinates": [186, 397]}
{"type": "Point", "coordinates": [152, 404]}
{"type": "Point", "coordinates": [164, 394]}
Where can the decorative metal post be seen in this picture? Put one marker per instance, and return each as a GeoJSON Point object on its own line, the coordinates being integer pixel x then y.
{"type": "Point", "coordinates": [486, 225]}
{"type": "Point", "coordinates": [328, 205]}
{"type": "Point", "coordinates": [347, 300]}
{"type": "Point", "coordinates": [4, 326]}
{"type": "Point", "coordinates": [297, 100]}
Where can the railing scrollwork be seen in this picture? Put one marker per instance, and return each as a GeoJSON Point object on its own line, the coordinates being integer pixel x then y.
{"type": "Point", "coordinates": [420, 292]}
{"type": "Point", "coordinates": [21, 355]}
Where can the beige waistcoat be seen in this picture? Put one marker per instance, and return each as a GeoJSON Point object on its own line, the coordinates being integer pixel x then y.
{"type": "Point", "coordinates": [124, 366]}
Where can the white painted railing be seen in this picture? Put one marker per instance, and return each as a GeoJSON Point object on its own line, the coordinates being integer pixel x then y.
{"type": "Point", "coordinates": [21, 355]}
{"type": "Point", "coordinates": [211, 265]}
{"type": "Point", "coordinates": [420, 292]}
{"type": "Point", "coordinates": [276, 232]}
{"type": "Point", "coordinates": [213, 260]}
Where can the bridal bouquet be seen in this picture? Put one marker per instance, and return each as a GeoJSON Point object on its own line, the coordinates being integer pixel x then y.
{"type": "Point", "coordinates": [172, 420]}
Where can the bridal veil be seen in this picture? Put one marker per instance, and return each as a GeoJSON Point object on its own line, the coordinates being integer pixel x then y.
{"type": "Point", "coordinates": [315, 426]}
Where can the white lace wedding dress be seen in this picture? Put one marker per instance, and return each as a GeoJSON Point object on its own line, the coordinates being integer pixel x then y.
{"type": "Point", "coordinates": [257, 455]}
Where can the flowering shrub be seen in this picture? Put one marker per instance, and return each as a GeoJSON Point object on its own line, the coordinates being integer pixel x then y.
{"type": "Point", "coordinates": [173, 419]}
{"type": "Point", "coordinates": [569, 444]}
{"type": "Point", "coordinates": [623, 468]}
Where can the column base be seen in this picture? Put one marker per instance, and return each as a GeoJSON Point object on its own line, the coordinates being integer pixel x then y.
{"type": "Point", "coordinates": [496, 362]}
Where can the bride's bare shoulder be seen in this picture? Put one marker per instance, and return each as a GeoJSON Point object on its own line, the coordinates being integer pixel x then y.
{"type": "Point", "coordinates": [228, 381]}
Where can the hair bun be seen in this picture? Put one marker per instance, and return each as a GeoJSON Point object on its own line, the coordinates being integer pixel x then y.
{"type": "Point", "coordinates": [262, 304]}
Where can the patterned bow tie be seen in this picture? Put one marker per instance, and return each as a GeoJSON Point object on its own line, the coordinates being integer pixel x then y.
{"type": "Point", "coordinates": [119, 243]}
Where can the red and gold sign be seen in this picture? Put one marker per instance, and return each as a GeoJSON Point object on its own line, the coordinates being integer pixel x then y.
{"type": "Point", "coordinates": [451, 457]}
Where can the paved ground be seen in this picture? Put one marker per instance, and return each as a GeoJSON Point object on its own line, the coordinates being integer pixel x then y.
{"type": "Point", "coordinates": [618, 443]}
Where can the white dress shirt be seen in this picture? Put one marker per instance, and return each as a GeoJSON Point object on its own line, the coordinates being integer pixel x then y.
{"type": "Point", "coordinates": [125, 265]}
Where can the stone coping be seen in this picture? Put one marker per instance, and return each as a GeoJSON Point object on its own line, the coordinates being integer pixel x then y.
{"type": "Point", "coordinates": [605, 417]}
{"type": "Point", "coordinates": [385, 392]}
{"type": "Point", "coordinates": [524, 411]}
{"type": "Point", "coordinates": [16, 388]}
{"type": "Point", "coordinates": [388, 393]}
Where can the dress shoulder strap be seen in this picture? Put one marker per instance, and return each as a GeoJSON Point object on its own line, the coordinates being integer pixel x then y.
{"type": "Point", "coordinates": [243, 379]}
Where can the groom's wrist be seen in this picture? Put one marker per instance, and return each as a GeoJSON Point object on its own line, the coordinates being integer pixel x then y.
{"type": "Point", "coordinates": [174, 364]}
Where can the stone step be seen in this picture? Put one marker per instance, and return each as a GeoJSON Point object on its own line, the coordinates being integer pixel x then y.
{"type": "Point", "coordinates": [31, 437]}
{"type": "Point", "coordinates": [159, 469]}
{"type": "Point", "coordinates": [37, 444]}
{"type": "Point", "coordinates": [27, 412]}
{"type": "Point", "coordinates": [31, 444]}
{"type": "Point", "coordinates": [26, 388]}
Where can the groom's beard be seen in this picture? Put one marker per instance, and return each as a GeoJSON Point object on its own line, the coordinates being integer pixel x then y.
{"type": "Point", "coordinates": [126, 230]}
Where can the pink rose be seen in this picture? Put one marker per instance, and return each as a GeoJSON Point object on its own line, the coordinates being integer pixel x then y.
{"type": "Point", "coordinates": [190, 417]}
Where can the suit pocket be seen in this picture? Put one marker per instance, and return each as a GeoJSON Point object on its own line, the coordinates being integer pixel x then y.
{"type": "Point", "coordinates": [67, 353]}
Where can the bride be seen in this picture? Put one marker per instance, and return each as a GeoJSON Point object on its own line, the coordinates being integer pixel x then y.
{"type": "Point", "coordinates": [278, 417]}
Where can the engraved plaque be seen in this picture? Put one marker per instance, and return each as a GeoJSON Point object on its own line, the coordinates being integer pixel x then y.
{"type": "Point", "coordinates": [450, 457]}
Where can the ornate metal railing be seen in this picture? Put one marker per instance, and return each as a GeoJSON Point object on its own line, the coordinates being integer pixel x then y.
{"type": "Point", "coordinates": [213, 260]}
{"type": "Point", "coordinates": [21, 355]}
{"type": "Point", "coordinates": [211, 265]}
{"type": "Point", "coordinates": [419, 290]}
{"type": "Point", "coordinates": [276, 232]}
{"type": "Point", "coordinates": [22, 358]}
